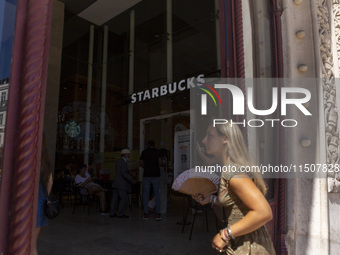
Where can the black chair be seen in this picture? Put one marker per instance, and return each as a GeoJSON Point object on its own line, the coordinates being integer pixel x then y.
{"type": "Point", "coordinates": [82, 197]}
{"type": "Point", "coordinates": [135, 190]}
{"type": "Point", "coordinates": [197, 207]}
{"type": "Point", "coordinates": [65, 188]}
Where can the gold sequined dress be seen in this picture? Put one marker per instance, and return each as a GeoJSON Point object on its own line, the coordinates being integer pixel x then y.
{"type": "Point", "coordinates": [257, 242]}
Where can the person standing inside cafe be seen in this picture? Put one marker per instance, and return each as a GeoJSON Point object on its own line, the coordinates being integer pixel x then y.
{"type": "Point", "coordinates": [150, 160]}
{"type": "Point", "coordinates": [121, 186]}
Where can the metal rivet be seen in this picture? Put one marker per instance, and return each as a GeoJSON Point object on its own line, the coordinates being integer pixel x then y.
{"type": "Point", "coordinates": [259, 14]}
{"type": "Point", "coordinates": [302, 68]}
{"type": "Point", "coordinates": [305, 142]}
{"type": "Point", "coordinates": [261, 45]}
{"type": "Point", "coordinates": [297, 2]}
{"type": "Point", "coordinates": [300, 34]}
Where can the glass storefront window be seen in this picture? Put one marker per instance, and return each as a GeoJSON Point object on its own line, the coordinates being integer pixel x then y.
{"type": "Point", "coordinates": [148, 46]}
{"type": "Point", "coordinates": [7, 26]}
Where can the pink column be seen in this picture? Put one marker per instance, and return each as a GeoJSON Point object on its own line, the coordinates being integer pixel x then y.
{"type": "Point", "coordinates": [23, 138]}
{"type": "Point", "coordinates": [223, 39]}
{"type": "Point", "coordinates": [232, 51]}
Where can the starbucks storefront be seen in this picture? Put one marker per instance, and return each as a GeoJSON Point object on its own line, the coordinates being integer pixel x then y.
{"type": "Point", "coordinates": [123, 72]}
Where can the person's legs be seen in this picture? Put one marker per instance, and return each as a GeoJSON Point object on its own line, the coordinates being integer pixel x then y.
{"type": "Point", "coordinates": [155, 186]}
{"type": "Point", "coordinates": [101, 194]}
{"type": "Point", "coordinates": [146, 193]}
{"type": "Point", "coordinates": [102, 200]}
{"type": "Point", "coordinates": [96, 189]}
{"type": "Point", "coordinates": [123, 202]}
{"type": "Point", "coordinates": [114, 202]}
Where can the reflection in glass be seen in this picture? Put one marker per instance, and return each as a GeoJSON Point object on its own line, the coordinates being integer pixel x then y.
{"type": "Point", "coordinates": [7, 25]}
{"type": "Point", "coordinates": [126, 62]}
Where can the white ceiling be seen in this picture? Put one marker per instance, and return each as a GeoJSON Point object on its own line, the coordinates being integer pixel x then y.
{"type": "Point", "coordinates": [103, 10]}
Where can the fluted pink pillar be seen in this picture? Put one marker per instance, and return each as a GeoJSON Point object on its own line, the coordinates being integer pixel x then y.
{"type": "Point", "coordinates": [24, 125]}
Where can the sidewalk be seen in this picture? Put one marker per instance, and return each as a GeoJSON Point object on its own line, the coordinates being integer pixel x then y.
{"type": "Point", "coordinates": [97, 234]}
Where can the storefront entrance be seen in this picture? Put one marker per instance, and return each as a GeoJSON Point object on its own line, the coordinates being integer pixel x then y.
{"type": "Point", "coordinates": [161, 129]}
{"type": "Point", "coordinates": [101, 65]}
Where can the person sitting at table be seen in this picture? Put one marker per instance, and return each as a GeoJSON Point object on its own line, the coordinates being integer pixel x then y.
{"type": "Point", "coordinates": [84, 180]}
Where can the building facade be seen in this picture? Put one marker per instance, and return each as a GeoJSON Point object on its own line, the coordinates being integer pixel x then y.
{"type": "Point", "coordinates": [96, 78]}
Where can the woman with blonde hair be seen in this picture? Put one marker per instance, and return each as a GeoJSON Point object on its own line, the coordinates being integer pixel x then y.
{"type": "Point", "coordinates": [241, 193]}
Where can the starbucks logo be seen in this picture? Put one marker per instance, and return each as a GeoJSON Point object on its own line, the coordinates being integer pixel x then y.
{"type": "Point", "coordinates": [72, 128]}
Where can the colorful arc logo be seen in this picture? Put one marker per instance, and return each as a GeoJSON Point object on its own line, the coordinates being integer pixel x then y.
{"type": "Point", "coordinates": [209, 93]}
{"type": "Point", "coordinates": [204, 98]}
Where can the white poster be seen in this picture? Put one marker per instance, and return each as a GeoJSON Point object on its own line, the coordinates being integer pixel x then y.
{"type": "Point", "coordinates": [182, 152]}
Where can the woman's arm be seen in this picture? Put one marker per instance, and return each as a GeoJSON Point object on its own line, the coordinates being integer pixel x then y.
{"type": "Point", "coordinates": [259, 210]}
{"type": "Point", "coordinates": [82, 184]}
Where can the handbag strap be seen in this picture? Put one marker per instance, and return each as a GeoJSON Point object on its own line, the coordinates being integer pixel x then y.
{"type": "Point", "coordinates": [43, 184]}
